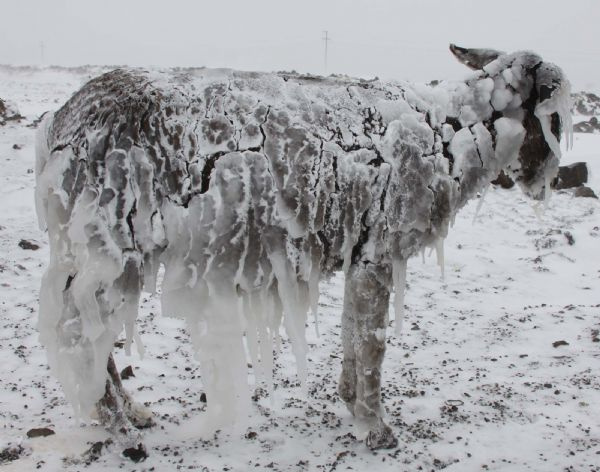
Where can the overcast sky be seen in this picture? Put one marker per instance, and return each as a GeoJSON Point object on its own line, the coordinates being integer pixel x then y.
{"type": "Point", "coordinates": [387, 38]}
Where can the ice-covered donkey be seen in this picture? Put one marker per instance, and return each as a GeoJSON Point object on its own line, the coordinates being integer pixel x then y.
{"type": "Point", "coordinates": [249, 188]}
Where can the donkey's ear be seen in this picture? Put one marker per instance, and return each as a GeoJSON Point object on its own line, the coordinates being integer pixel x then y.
{"type": "Point", "coordinates": [476, 59]}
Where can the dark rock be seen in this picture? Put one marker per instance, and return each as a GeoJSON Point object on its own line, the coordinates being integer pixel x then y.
{"type": "Point", "coordinates": [590, 126]}
{"type": "Point", "coordinates": [95, 451]}
{"type": "Point", "coordinates": [560, 343]}
{"type": "Point", "coordinates": [136, 454]}
{"type": "Point", "coordinates": [571, 176]}
{"type": "Point", "coordinates": [127, 372]}
{"type": "Point", "coordinates": [39, 432]}
{"type": "Point", "coordinates": [11, 453]}
{"type": "Point", "coordinates": [203, 397]}
{"type": "Point", "coordinates": [503, 180]}
{"type": "Point", "coordinates": [584, 191]}
{"type": "Point", "coordinates": [17, 147]}
{"type": "Point", "coordinates": [29, 245]}
{"type": "Point", "coordinates": [8, 112]}
{"type": "Point", "coordinates": [586, 103]}
{"type": "Point", "coordinates": [570, 238]}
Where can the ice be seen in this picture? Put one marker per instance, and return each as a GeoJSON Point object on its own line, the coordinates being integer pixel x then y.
{"type": "Point", "coordinates": [399, 279]}
{"type": "Point", "coordinates": [439, 252]}
{"type": "Point", "coordinates": [480, 204]}
{"type": "Point", "coordinates": [248, 189]}
{"type": "Point", "coordinates": [559, 102]}
{"type": "Point", "coordinates": [509, 139]}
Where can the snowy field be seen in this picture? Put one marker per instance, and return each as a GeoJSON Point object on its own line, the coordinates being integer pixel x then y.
{"type": "Point", "coordinates": [497, 367]}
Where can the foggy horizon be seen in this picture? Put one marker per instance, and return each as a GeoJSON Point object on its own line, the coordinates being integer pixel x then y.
{"type": "Point", "coordinates": [402, 40]}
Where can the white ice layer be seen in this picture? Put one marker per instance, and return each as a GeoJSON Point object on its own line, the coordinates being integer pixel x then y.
{"type": "Point", "coordinates": [399, 278]}
{"type": "Point", "coordinates": [249, 188]}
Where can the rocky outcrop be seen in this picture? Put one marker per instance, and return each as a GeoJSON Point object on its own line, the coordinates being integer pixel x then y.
{"type": "Point", "coordinates": [573, 175]}
{"type": "Point", "coordinates": [8, 112]}
{"type": "Point", "coordinates": [585, 192]}
{"type": "Point", "coordinates": [586, 107]}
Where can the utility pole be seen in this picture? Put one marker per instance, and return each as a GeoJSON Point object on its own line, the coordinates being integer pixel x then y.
{"type": "Point", "coordinates": [326, 38]}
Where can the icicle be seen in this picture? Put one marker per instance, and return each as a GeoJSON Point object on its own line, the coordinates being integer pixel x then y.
{"type": "Point", "coordinates": [141, 350]}
{"type": "Point", "coordinates": [439, 251]}
{"type": "Point", "coordinates": [265, 339]}
{"type": "Point", "coordinates": [546, 122]}
{"type": "Point", "coordinates": [480, 204]}
{"type": "Point", "coordinates": [128, 337]}
{"type": "Point", "coordinates": [313, 294]}
{"type": "Point", "coordinates": [399, 279]}
{"type": "Point", "coordinates": [538, 210]}
{"type": "Point", "coordinates": [559, 102]}
{"type": "Point", "coordinates": [295, 313]}
{"type": "Point", "coordinates": [547, 192]}
{"type": "Point", "coordinates": [252, 342]}
{"type": "Point", "coordinates": [223, 361]}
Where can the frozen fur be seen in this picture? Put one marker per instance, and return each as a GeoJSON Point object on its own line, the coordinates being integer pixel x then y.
{"type": "Point", "coordinates": [249, 188]}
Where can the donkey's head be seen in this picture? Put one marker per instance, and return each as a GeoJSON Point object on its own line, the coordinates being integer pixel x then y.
{"type": "Point", "coordinates": [530, 92]}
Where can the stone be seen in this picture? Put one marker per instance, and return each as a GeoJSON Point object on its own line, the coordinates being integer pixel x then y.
{"type": "Point", "coordinates": [503, 180]}
{"type": "Point", "coordinates": [571, 176]}
{"type": "Point", "coordinates": [590, 126]}
{"type": "Point", "coordinates": [39, 432]}
{"type": "Point", "coordinates": [28, 245]}
{"type": "Point", "coordinates": [136, 454]}
{"type": "Point", "coordinates": [127, 372]}
{"type": "Point", "coordinates": [584, 191]}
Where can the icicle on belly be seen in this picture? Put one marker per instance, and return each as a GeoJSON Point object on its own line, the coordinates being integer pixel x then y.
{"type": "Point", "coordinates": [399, 279]}
{"type": "Point", "coordinates": [480, 204]}
{"type": "Point", "coordinates": [313, 295]}
{"type": "Point", "coordinates": [439, 251]}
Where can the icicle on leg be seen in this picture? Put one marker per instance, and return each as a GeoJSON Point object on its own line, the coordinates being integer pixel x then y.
{"type": "Point", "coordinates": [399, 279]}
{"type": "Point", "coordinates": [366, 301]}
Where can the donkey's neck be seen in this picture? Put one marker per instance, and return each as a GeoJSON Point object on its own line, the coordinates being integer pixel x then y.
{"type": "Point", "coordinates": [478, 140]}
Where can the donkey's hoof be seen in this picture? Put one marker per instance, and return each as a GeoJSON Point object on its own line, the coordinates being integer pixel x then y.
{"type": "Point", "coordinates": [140, 416]}
{"type": "Point", "coordinates": [381, 438]}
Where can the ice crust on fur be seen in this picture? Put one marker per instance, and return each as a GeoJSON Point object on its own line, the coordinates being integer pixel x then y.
{"type": "Point", "coordinates": [249, 188]}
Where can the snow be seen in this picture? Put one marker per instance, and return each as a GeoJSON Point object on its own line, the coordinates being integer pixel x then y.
{"type": "Point", "coordinates": [499, 282]}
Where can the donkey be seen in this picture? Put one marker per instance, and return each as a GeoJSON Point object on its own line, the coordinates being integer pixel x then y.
{"type": "Point", "coordinates": [249, 188]}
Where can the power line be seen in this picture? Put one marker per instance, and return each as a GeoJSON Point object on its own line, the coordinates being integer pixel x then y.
{"type": "Point", "coordinates": [326, 39]}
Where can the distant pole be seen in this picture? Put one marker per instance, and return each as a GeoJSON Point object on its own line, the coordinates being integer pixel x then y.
{"type": "Point", "coordinates": [42, 51]}
{"type": "Point", "coordinates": [326, 38]}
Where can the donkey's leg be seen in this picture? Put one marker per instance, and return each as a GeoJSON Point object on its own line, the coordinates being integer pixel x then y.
{"type": "Point", "coordinates": [347, 384]}
{"type": "Point", "coordinates": [366, 303]}
{"type": "Point", "coordinates": [116, 408]}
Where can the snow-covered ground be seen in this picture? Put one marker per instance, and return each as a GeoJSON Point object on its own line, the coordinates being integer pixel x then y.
{"type": "Point", "coordinates": [497, 367]}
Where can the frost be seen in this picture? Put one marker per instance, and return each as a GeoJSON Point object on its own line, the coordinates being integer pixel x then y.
{"type": "Point", "coordinates": [248, 189]}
